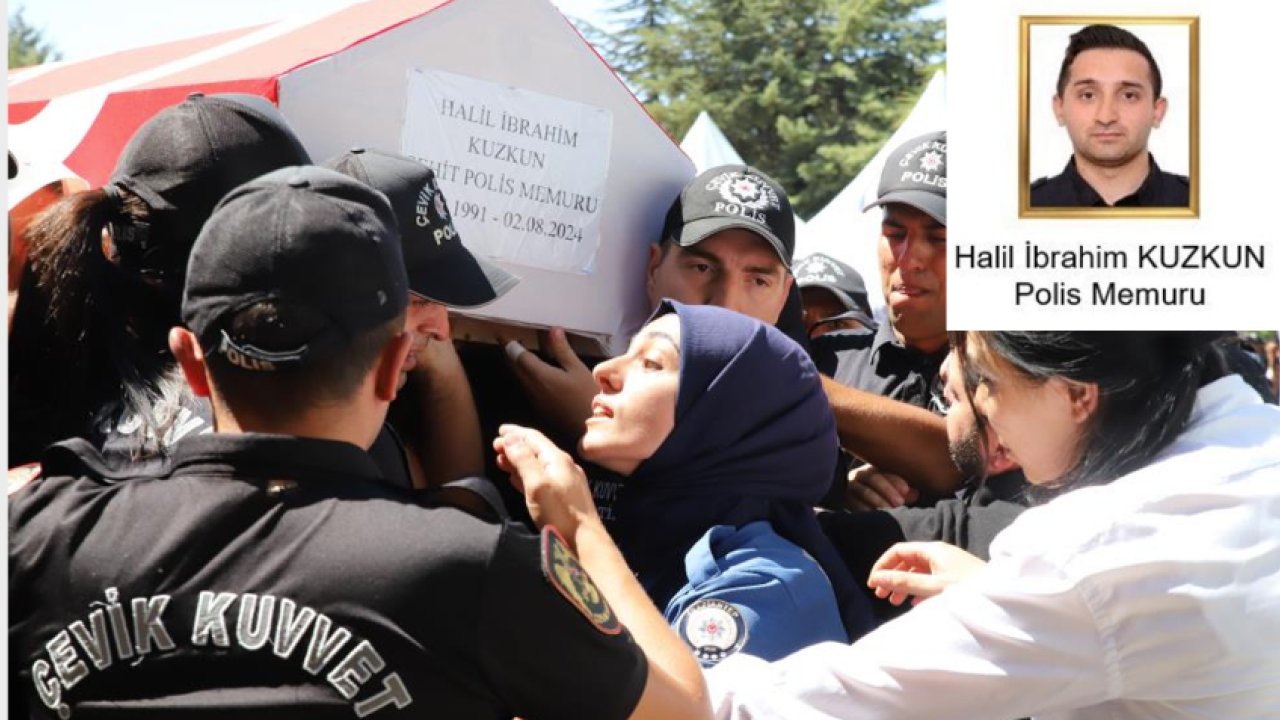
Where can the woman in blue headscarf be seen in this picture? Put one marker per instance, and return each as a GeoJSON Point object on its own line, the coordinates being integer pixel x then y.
{"type": "Point", "coordinates": [725, 440]}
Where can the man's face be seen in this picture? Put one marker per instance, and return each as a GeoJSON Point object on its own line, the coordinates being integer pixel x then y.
{"type": "Point", "coordinates": [1109, 106]}
{"type": "Point", "coordinates": [964, 440]}
{"type": "Point", "coordinates": [735, 269]}
{"type": "Point", "coordinates": [425, 321]}
{"type": "Point", "coordinates": [820, 304]}
{"type": "Point", "coordinates": [913, 276]}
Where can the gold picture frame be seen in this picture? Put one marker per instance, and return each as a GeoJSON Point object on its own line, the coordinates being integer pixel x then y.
{"type": "Point", "coordinates": [1027, 22]}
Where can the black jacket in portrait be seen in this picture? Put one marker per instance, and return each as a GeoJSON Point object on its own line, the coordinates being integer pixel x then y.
{"type": "Point", "coordinates": [1069, 189]}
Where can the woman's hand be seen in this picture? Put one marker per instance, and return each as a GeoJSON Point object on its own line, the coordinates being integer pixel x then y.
{"type": "Point", "coordinates": [555, 489]}
{"type": "Point", "coordinates": [920, 570]}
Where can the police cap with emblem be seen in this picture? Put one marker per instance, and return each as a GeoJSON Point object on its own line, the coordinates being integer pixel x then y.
{"type": "Point", "coordinates": [440, 268]}
{"type": "Point", "coordinates": [842, 281]}
{"type": "Point", "coordinates": [916, 174]}
{"type": "Point", "coordinates": [320, 247]}
{"type": "Point", "coordinates": [733, 196]}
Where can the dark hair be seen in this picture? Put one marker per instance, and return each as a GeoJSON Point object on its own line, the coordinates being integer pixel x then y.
{"type": "Point", "coordinates": [1101, 37]}
{"type": "Point", "coordinates": [88, 328]}
{"type": "Point", "coordinates": [664, 246]}
{"type": "Point", "coordinates": [330, 374]}
{"type": "Point", "coordinates": [1147, 384]}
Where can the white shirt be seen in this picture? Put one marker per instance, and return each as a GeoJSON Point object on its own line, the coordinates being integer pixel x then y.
{"type": "Point", "coordinates": [1156, 596]}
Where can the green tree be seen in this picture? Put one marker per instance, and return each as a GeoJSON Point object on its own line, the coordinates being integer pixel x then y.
{"type": "Point", "coordinates": [642, 42]}
{"type": "Point", "coordinates": [27, 44]}
{"type": "Point", "coordinates": [806, 90]}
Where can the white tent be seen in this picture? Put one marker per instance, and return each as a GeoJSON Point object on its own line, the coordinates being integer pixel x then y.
{"type": "Point", "coordinates": [707, 147]}
{"type": "Point", "coordinates": [841, 229]}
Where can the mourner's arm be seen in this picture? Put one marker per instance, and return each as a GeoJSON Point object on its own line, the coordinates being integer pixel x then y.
{"type": "Point", "coordinates": [895, 437]}
{"type": "Point", "coordinates": [561, 393]}
{"type": "Point", "coordinates": [450, 445]}
{"type": "Point", "coordinates": [556, 492]}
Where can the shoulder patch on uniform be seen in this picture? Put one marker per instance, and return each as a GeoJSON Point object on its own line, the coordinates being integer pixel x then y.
{"type": "Point", "coordinates": [713, 629]}
{"type": "Point", "coordinates": [561, 568]}
{"type": "Point", "coordinates": [21, 476]}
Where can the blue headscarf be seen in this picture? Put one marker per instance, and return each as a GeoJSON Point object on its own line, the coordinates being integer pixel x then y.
{"type": "Point", "coordinates": [754, 439]}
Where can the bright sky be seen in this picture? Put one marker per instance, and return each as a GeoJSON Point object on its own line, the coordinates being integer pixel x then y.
{"type": "Point", "coordinates": [82, 29]}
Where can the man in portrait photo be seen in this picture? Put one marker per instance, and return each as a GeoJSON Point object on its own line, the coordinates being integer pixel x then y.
{"type": "Point", "coordinates": [1109, 99]}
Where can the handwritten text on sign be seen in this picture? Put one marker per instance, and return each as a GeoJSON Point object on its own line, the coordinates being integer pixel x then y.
{"type": "Point", "coordinates": [524, 172]}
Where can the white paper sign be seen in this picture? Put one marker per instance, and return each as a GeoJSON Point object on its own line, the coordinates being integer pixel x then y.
{"type": "Point", "coordinates": [524, 172]}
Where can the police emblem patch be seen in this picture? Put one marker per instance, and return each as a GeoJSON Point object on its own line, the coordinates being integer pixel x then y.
{"type": "Point", "coordinates": [931, 161]}
{"type": "Point", "coordinates": [746, 190]}
{"type": "Point", "coordinates": [561, 568]}
{"type": "Point", "coordinates": [713, 629]}
{"type": "Point", "coordinates": [819, 270]}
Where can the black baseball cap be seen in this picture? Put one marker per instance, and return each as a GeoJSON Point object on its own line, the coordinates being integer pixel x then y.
{"type": "Point", "coordinates": [184, 159]}
{"type": "Point", "coordinates": [916, 174]}
{"type": "Point", "coordinates": [733, 196]}
{"type": "Point", "coordinates": [846, 284]}
{"type": "Point", "coordinates": [321, 247]}
{"type": "Point", "coordinates": [440, 267]}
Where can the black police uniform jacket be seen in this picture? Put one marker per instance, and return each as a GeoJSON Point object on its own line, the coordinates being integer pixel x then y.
{"type": "Point", "coordinates": [875, 361]}
{"type": "Point", "coordinates": [270, 576]}
{"type": "Point", "coordinates": [1069, 189]}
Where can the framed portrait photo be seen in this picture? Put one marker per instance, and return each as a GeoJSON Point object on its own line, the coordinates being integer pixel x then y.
{"type": "Point", "coordinates": [1108, 117]}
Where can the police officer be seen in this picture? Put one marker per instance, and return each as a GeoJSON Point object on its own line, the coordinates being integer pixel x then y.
{"type": "Point", "coordinates": [888, 393]}
{"type": "Point", "coordinates": [104, 282]}
{"type": "Point", "coordinates": [271, 572]}
{"type": "Point", "coordinates": [432, 434]}
{"type": "Point", "coordinates": [1109, 99]}
{"type": "Point", "coordinates": [884, 386]}
{"type": "Point", "coordinates": [834, 296]}
{"type": "Point", "coordinates": [901, 359]}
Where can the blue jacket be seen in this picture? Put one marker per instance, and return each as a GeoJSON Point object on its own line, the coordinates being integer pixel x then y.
{"type": "Point", "coordinates": [752, 591]}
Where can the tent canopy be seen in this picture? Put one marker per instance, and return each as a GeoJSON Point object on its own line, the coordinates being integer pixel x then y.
{"type": "Point", "coordinates": [706, 145]}
{"type": "Point", "coordinates": [343, 78]}
{"type": "Point", "coordinates": [87, 110]}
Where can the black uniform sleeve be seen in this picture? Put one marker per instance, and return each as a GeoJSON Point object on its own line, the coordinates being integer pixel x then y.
{"type": "Point", "coordinates": [970, 525]}
{"type": "Point", "coordinates": [546, 654]}
{"type": "Point", "coordinates": [862, 537]}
